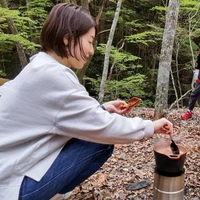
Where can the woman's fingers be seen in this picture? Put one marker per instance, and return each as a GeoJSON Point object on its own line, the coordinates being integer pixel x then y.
{"type": "Point", "coordinates": [163, 126]}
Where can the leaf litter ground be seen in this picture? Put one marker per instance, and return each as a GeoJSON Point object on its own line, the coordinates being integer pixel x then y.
{"type": "Point", "coordinates": [133, 163]}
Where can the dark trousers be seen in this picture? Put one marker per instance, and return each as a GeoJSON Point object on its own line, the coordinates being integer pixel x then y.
{"type": "Point", "coordinates": [194, 96]}
{"type": "Point", "coordinates": [76, 162]}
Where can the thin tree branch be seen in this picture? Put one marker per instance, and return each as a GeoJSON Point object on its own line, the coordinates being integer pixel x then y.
{"type": "Point", "coordinates": [180, 99]}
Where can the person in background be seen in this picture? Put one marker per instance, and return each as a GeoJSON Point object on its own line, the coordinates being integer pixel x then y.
{"type": "Point", "coordinates": [195, 93]}
{"type": "Point", "coordinates": [53, 134]}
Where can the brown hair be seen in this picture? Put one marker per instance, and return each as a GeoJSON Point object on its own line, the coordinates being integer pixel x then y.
{"type": "Point", "coordinates": [65, 20]}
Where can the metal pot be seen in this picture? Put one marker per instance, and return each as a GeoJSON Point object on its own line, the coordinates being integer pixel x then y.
{"type": "Point", "coordinates": [168, 162]}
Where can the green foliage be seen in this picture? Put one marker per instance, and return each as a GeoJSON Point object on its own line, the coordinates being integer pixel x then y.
{"type": "Point", "coordinates": [6, 13]}
{"type": "Point", "coordinates": [146, 103]}
{"type": "Point", "coordinates": [37, 12]}
{"type": "Point", "coordinates": [28, 20]}
{"type": "Point", "coordinates": [140, 26]}
{"type": "Point", "coordinates": [126, 88]}
{"type": "Point", "coordinates": [126, 13]}
{"type": "Point", "coordinates": [20, 23]}
{"type": "Point", "coordinates": [122, 60]}
{"type": "Point", "coordinates": [159, 8]}
{"type": "Point", "coordinates": [134, 25]}
{"type": "Point", "coordinates": [9, 39]}
{"type": "Point", "coordinates": [109, 15]}
{"type": "Point", "coordinates": [189, 5]}
{"type": "Point", "coordinates": [195, 35]}
{"type": "Point", "coordinates": [2, 73]}
{"type": "Point", "coordinates": [116, 55]}
{"type": "Point", "coordinates": [92, 85]}
{"type": "Point", "coordinates": [145, 38]}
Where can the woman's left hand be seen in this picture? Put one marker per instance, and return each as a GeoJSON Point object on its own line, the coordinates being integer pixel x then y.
{"type": "Point", "coordinates": [116, 107]}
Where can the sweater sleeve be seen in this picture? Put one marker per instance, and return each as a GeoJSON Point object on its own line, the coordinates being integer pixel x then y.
{"type": "Point", "coordinates": [82, 117]}
{"type": "Point", "coordinates": [4, 87]}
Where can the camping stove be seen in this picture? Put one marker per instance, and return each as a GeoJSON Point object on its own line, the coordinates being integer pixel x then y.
{"type": "Point", "coordinates": [169, 186]}
{"type": "Point", "coordinates": [169, 172]}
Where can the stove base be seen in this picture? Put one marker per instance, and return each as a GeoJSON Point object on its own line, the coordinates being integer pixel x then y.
{"type": "Point", "coordinates": [168, 188]}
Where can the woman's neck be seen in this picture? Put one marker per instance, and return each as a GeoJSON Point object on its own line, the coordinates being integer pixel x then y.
{"type": "Point", "coordinates": [62, 61]}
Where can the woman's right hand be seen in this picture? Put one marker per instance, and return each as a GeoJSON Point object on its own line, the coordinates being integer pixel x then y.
{"type": "Point", "coordinates": [163, 126]}
{"type": "Point", "coordinates": [115, 107]}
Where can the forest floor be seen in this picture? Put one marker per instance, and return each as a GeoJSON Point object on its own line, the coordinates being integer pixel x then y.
{"type": "Point", "coordinates": [135, 162]}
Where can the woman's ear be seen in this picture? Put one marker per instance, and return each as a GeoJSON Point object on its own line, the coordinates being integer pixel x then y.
{"type": "Point", "coordinates": [65, 40]}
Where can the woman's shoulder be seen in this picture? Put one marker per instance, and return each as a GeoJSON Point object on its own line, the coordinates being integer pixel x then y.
{"type": "Point", "coordinates": [49, 67]}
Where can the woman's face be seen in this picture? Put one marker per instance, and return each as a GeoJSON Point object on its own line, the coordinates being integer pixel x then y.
{"type": "Point", "coordinates": [87, 44]}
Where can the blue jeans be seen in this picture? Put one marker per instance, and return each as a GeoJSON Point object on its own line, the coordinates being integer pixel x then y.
{"type": "Point", "coordinates": [76, 162]}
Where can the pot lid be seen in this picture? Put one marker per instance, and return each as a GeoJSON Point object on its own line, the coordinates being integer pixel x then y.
{"type": "Point", "coordinates": [165, 149]}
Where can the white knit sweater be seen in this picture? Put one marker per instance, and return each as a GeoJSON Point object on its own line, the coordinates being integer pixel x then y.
{"type": "Point", "coordinates": [40, 110]}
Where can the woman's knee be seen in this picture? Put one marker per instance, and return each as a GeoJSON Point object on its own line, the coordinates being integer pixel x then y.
{"type": "Point", "coordinates": [106, 148]}
{"type": "Point", "coordinates": [110, 149]}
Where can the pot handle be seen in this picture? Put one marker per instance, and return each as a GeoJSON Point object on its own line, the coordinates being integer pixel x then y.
{"type": "Point", "coordinates": [174, 156]}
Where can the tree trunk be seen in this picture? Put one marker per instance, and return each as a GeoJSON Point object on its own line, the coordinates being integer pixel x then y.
{"type": "Point", "coordinates": [177, 73]}
{"type": "Point", "coordinates": [107, 53]}
{"type": "Point", "coordinates": [114, 62]}
{"type": "Point", "coordinates": [161, 102]}
{"type": "Point", "coordinates": [70, 1]}
{"type": "Point", "coordinates": [85, 5]}
{"type": "Point", "coordinates": [174, 86]}
{"type": "Point", "coordinates": [191, 30]}
{"type": "Point", "coordinates": [13, 29]}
